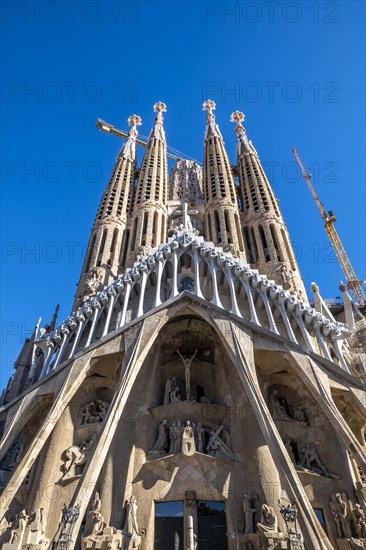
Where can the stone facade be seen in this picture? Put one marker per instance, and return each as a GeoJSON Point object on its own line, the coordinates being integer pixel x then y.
{"type": "Point", "coordinates": [193, 380]}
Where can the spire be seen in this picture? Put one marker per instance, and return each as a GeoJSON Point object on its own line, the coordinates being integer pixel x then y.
{"type": "Point", "coordinates": [212, 129]}
{"type": "Point", "coordinates": [158, 129]}
{"type": "Point", "coordinates": [22, 366]}
{"type": "Point", "coordinates": [128, 149]}
{"type": "Point", "coordinates": [222, 217]}
{"type": "Point", "coordinates": [54, 318]}
{"type": "Point", "coordinates": [105, 254]}
{"type": "Point", "coordinates": [147, 228]}
{"type": "Point", "coordinates": [266, 238]}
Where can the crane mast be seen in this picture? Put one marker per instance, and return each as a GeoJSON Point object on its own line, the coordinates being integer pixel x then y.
{"type": "Point", "coordinates": [354, 284]}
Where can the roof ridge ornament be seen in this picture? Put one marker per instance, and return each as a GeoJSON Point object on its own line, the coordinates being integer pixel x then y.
{"type": "Point", "coordinates": [129, 148]}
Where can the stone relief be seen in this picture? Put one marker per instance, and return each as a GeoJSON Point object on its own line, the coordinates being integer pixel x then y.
{"type": "Point", "coordinates": [338, 507]}
{"type": "Point", "coordinates": [95, 412]}
{"type": "Point", "coordinates": [280, 410]}
{"type": "Point", "coordinates": [74, 457]}
{"type": "Point", "coordinates": [190, 437]}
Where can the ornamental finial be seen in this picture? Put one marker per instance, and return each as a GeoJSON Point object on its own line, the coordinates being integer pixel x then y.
{"type": "Point", "coordinates": [238, 117]}
{"type": "Point", "coordinates": [134, 120]}
{"type": "Point", "coordinates": [208, 105]}
{"type": "Point", "coordinates": [159, 108]}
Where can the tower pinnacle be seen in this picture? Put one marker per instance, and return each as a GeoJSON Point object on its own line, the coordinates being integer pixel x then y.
{"type": "Point", "coordinates": [222, 219]}
{"type": "Point", "coordinates": [266, 238]}
{"type": "Point", "coordinates": [147, 227]}
{"type": "Point", "coordinates": [129, 147]}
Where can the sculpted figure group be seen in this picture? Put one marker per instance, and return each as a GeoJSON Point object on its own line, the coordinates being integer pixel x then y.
{"type": "Point", "coordinates": [95, 412]}
{"type": "Point", "coordinates": [96, 529]}
{"type": "Point", "coordinates": [345, 518]}
{"type": "Point", "coordinates": [190, 437]}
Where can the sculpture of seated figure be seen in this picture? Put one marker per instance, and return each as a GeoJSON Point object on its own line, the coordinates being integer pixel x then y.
{"type": "Point", "coordinates": [268, 522]}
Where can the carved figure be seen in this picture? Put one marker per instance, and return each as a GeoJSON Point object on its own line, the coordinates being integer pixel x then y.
{"type": "Point", "coordinates": [216, 447]}
{"type": "Point", "coordinates": [188, 443]}
{"type": "Point", "coordinates": [338, 507]}
{"type": "Point", "coordinates": [187, 372]}
{"type": "Point", "coordinates": [75, 456]}
{"type": "Point", "coordinates": [268, 521]}
{"type": "Point", "coordinates": [358, 516]}
{"type": "Point", "coordinates": [36, 527]}
{"type": "Point", "coordinates": [18, 527]}
{"type": "Point", "coordinates": [248, 512]}
{"type": "Point", "coordinates": [162, 440]}
{"type": "Point", "coordinates": [311, 457]}
{"type": "Point", "coordinates": [95, 412]}
{"type": "Point", "coordinates": [280, 410]}
{"type": "Point", "coordinates": [131, 533]}
{"type": "Point", "coordinates": [200, 437]}
{"type": "Point", "coordinates": [94, 280]}
{"type": "Point", "coordinates": [95, 523]}
{"type": "Point", "coordinates": [299, 415]}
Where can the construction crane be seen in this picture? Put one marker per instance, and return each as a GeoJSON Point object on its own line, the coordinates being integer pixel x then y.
{"type": "Point", "coordinates": [109, 129]}
{"type": "Point", "coordinates": [353, 284]}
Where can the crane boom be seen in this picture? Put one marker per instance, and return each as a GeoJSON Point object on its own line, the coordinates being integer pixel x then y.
{"type": "Point", "coordinates": [354, 284]}
{"type": "Point", "coordinates": [109, 129]}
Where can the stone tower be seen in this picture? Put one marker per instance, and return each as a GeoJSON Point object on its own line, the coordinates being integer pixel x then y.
{"type": "Point", "coordinates": [149, 209]}
{"type": "Point", "coordinates": [266, 237]}
{"type": "Point", "coordinates": [192, 400]}
{"type": "Point", "coordinates": [103, 255]}
{"type": "Point", "coordinates": [221, 212]}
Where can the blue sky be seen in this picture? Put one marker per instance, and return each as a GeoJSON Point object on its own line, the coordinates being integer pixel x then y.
{"type": "Point", "coordinates": [296, 69]}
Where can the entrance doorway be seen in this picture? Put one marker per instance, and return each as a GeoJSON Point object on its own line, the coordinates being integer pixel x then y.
{"type": "Point", "coordinates": [211, 525]}
{"type": "Point", "coordinates": [169, 526]}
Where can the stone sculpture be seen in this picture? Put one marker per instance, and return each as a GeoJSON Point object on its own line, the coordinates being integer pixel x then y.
{"type": "Point", "coordinates": [73, 457]}
{"type": "Point", "coordinates": [95, 412]}
{"type": "Point", "coordinates": [280, 410]}
{"type": "Point", "coordinates": [131, 532]}
{"type": "Point", "coordinates": [311, 460]}
{"type": "Point", "coordinates": [248, 512]}
{"type": "Point", "coordinates": [187, 361]}
{"type": "Point", "coordinates": [338, 507]}
{"type": "Point", "coordinates": [191, 437]}
{"type": "Point", "coordinates": [36, 527]}
{"type": "Point", "coordinates": [188, 443]}
{"type": "Point", "coordinates": [162, 440]}
{"type": "Point", "coordinates": [358, 516]}
{"type": "Point", "coordinates": [18, 527]}
{"type": "Point", "coordinates": [268, 522]}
